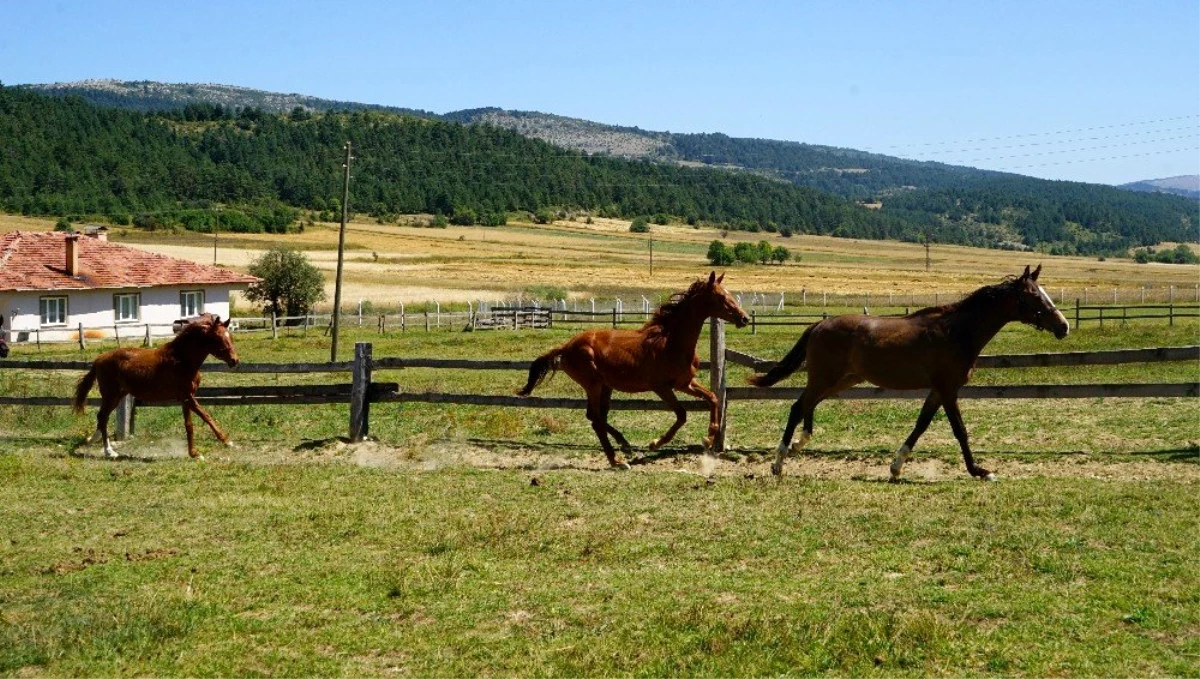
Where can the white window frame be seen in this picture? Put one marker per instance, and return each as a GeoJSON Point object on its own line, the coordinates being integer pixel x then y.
{"type": "Point", "coordinates": [60, 302]}
{"type": "Point", "coordinates": [137, 307]}
{"type": "Point", "coordinates": [183, 307]}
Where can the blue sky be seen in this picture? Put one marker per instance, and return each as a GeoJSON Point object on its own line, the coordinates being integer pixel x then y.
{"type": "Point", "coordinates": [1091, 91]}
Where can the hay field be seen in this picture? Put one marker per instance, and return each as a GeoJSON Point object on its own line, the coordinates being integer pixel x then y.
{"type": "Point", "coordinates": [388, 264]}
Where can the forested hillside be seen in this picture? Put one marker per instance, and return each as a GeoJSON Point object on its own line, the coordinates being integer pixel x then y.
{"type": "Point", "coordinates": [68, 157]}
{"type": "Point", "coordinates": [65, 156]}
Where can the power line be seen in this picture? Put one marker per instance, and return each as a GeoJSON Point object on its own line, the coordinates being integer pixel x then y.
{"type": "Point", "coordinates": [1085, 148]}
{"type": "Point", "coordinates": [1104, 158]}
{"type": "Point", "coordinates": [1056, 142]}
{"type": "Point", "coordinates": [1042, 134]}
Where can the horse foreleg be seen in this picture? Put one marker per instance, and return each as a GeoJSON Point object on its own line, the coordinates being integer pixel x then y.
{"type": "Point", "coordinates": [698, 390]}
{"type": "Point", "coordinates": [667, 394]}
{"type": "Point", "coordinates": [960, 433]}
{"type": "Point", "coordinates": [932, 403]}
{"type": "Point", "coordinates": [212, 424]}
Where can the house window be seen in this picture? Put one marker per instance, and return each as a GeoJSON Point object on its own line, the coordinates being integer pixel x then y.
{"type": "Point", "coordinates": [53, 310]}
{"type": "Point", "coordinates": [191, 303]}
{"type": "Point", "coordinates": [125, 306]}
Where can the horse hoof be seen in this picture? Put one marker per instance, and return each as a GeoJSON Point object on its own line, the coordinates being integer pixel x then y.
{"type": "Point", "coordinates": [229, 444]}
{"type": "Point", "coordinates": [621, 466]}
{"type": "Point", "coordinates": [991, 477]}
{"type": "Point", "coordinates": [777, 469]}
{"type": "Point", "coordinates": [655, 445]}
{"type": "Point", "coordinates": [111, 454]}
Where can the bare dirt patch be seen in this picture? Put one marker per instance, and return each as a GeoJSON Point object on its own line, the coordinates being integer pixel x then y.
{"type": "Point", "coordinates": [426, 456]}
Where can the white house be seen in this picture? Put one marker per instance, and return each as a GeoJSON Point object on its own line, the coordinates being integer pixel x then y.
{"type": "Point", "coordinates": [52, 283]}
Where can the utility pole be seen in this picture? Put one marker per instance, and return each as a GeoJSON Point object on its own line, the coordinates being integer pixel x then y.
{"type": "Point", "coordinates": [216, 223]}
{"type": "Point", "coordinates": [337, 286]}
{"type": "Point", "coordinates": [652, 256]}
{"type": "Point", "coordinates": [927, 253]}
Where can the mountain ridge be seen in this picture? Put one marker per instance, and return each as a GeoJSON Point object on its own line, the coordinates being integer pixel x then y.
{"type": "Point", "coordinates": [963, 204]}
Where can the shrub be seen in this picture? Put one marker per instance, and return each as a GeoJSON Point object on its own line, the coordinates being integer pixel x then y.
{"type": "Point", "coordinates": [719, 254]}
{"type": "Point", "coordinates": [639, 225]}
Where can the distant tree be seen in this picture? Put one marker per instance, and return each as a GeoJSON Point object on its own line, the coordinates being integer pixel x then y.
{"type": "Point", "coordinates": [719, 254]}
{"type": "Point", "coordinates": [661, 219]}
{"type": "Point", "coordinates": [780, 255]}
{"type": "Point", "coordinates": [543, 216]}
{"type": "Point", "coordinates": [764, 251]}
{"type": "Point", "coordinates": [745, 253]}
{"type": "Point", "coordinates": [290, 285]}
{"type": "Point", "coordinates": [639, 225]}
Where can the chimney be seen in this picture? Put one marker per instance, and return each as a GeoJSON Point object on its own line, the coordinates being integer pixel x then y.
{"type": "Point", "coordinates": [73, 255]}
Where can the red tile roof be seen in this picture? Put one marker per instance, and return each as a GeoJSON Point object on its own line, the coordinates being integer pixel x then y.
{"type": "Point", "coordinates": [37, 261]}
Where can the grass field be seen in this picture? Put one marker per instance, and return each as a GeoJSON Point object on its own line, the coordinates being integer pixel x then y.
{"type": "Point", "coordinates": [467, 541]}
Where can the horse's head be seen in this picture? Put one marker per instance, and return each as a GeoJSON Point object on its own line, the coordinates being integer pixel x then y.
{"type": "Point", "coordinates": [1034, 306]}
{"type": "Point", "coordinates": [217, 340]}
{"type": "Point", "coordinates": [719, 303]}
{"type": "Point", "coordinates": [3, 344]}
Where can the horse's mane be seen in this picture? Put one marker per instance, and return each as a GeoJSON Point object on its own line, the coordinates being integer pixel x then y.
{"type": "Point", "coordinates": [986, 296]}
{"type": "Point", "coordinates": [668, 313]}
{"type": "Point", "coordinates": [199, 326]}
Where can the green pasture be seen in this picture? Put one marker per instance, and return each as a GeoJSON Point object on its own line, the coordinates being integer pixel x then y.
{"type": "Point", "coordinates": [295, 555]}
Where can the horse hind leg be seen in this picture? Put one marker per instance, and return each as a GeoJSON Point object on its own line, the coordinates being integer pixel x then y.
{"type": "Point", "coordinates": [668, 395]}
{"type": "Point", "coordinates": [606, 400]}
{"type": "Point", "coordinates": [597, 414]}
{"type": "Point", "coordinates": [107, 405]}
{"type": "Point", "coordinates": [928, 410]}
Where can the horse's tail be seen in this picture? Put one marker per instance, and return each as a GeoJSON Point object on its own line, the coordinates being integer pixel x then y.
{"type": "Point", "coordinates": [546, 363]}
{"type": "Point", "coordinates": [82, 389]}
{"type": "Point", "coordinates": [787, 365]}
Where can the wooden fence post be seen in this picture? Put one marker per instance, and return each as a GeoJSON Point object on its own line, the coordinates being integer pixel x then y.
{"type": "Point", "coordinates": [274, 326]}
{"type": "Point", "coordinates": [717, 377]}
{"type": "Point", "coordinates": [81, 343]}
{"type": "Point", "coordinates": [146, 342]}
{"type": "Point", "coordinates": [123, 428]}
{"type": "Point", "coordinates": [753, 323]}
{"type": "Point", "coordinates": [1076, 313]}
{"type": "Point", "coordinates": [360, 392]}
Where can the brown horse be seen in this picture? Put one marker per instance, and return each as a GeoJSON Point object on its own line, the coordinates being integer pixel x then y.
{"type": "Point", "coordinates": [3, 344]}
{"type": "Point", "coordinates": [167, 373]}
{"type": "Point", "coordinates": [659, 357]}
{"type": "Point", "coordinates": [933, 349]}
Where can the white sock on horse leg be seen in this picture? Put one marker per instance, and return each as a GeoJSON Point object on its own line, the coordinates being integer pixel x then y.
{"type": "Point", "coordinates": [901, 458]}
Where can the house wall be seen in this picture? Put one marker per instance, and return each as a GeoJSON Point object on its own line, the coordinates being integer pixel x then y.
{"type": "Point", "coordinates": [94, 309]}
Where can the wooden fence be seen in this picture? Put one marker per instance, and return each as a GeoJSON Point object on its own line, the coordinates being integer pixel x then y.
{"type": "Point", "coordinates": [363, 391]}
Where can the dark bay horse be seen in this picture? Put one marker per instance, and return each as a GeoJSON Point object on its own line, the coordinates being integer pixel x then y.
{"type": "Point", "coordinates": [3, 344]}
{"type": "Point", "coordinates": [167, 373]}
{"type": "Point", "coordinates": [659, 357]}
{"type": "Point", "coordinates": [933, 349]}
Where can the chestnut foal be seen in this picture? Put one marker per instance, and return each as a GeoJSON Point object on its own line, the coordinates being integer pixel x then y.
{"type": "Point", "coordinates": [659, 357]}
{"type": "Point", "coordinates": [167, 373]}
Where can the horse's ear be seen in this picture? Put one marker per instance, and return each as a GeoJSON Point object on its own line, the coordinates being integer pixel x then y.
{"type": "Point", "coordinates": [1035, 273]}
{"type": "Point", "coordinates": [216, 320]}
{"type": "Point", "coordinates": [720, 278]}
{"type": "Point", "coordinates": [712, 278]}
{"type": "Point", "coordinates": [1026, 274]}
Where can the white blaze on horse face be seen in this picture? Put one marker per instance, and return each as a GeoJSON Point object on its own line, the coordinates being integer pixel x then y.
{"type": "Point", "coordinates": [1050, 303]}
